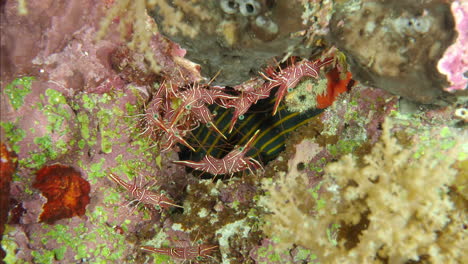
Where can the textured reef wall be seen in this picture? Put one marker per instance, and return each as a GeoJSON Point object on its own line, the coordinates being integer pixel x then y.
{"type": "Point", "coordinates": [237, 38]}
{"type": "Point", "coordinates": [398, 49]}
{"type": "Point", "coordinates": [307, 119]}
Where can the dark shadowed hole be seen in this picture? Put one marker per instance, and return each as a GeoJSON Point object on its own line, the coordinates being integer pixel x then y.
{"type": "Point", "coordinates": [250, 8]}
{"type": "Point", "coordinates": [270, 4]}
{"type": "Point", "coordinates": [300, 166]}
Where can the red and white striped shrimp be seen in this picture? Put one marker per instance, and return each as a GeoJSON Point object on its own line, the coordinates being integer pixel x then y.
{"type": "Point", "coordinates": [185, 253]}
{"type": "Point", "coordinates": [234, 161]}
{"type": "Point", "coordinates": [143, 195]}
{"type": "Point", "coordinates": [289, 77]}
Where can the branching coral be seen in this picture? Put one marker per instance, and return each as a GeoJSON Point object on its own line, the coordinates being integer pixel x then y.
{"type": "Point", "coordinates": [393, 208]}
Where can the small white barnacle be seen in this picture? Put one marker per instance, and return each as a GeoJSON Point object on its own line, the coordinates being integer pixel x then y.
{"type": "Point", "coordinates": [461, 113]}
{"type": "Point", "coordinates": [229, 6]}
{"type": "Point", "coordinates": [267, 24]}
{"type": "Point", "coordinates": [249, 7]}
{"type": "Point", "coordinates": [419, 24]}
{"type": "Point", "coordinates": [264, 28]}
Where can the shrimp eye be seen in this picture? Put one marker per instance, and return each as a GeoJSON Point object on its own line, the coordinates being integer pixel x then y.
{"type": "Point", "coordinates": [290, 89]}
{"type": "Point", "coordinates": [157, 207]}
{"type": "Point", "coordinates": [241, 148]}
{"type": "Point", "coordinates": [188, 107]}
{"type": "Point", "coordinates": [199, 258]}
{"type": "Point", "coordinates": [241, 117]}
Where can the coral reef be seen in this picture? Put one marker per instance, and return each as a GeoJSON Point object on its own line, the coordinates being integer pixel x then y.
{"type": "Point", "coordinates": [393, 206]}
{"type": "Point", "coordinates": [97, 94]}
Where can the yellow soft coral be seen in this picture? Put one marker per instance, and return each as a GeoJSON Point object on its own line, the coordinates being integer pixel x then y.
{"type": "Point", "coordinates": [392, 209]}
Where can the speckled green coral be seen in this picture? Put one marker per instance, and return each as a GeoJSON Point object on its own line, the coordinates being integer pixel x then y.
{"type": "Point", "coordinates": [431, 136]}
{"type": "Point", "coordinates": [226, 232]}
{"type": "Point", "coordinates": [270, 254]}
{"type": "Point", "coordinates": [92, 129]}
{"type": "Point", "coordinates": [304, 96]}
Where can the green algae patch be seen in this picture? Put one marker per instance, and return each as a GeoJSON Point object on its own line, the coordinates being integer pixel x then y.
{"type": "Point", "coordinates": [98, 120]}
{"type": "Point", "coordinates": [55, 97]}
{"type": "Point", "coordinates": [94, 171]}
{"type": "Point", "coordinates": [101, 243]}
{"type": "Point", "coordinates": [57, 111]}
{"type": "Point", "coordinates": [343, 147]}
{"type": "Point", "coordinates": [13, 134]}
{"type": "Point", "coordinates": [18, 89]}
{"type": "Point", "coordinates": [111, 196]}
{"type": "Point", "coordinates": [106, 119]}
{"type": "Point", "coordinates": [304, 256]}
{"type": "Point", "coordinates": [83, 120]}
{"type": "Point", "coordinates": [51, 138]}
{"type": "Point", "coordinates": [9, 245]}
{"type": "Point", "coordinates": [47, 150]}
{"type": "Point", "coordinates": [269, 254]}
{"type": "Point", "coordinates": [131, 167]}
{"type": "Point", "coordinates": [89, 103]}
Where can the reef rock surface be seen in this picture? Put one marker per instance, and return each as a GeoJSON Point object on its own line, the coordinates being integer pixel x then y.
{"type": "Point", "coordinates": [396, 45]}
